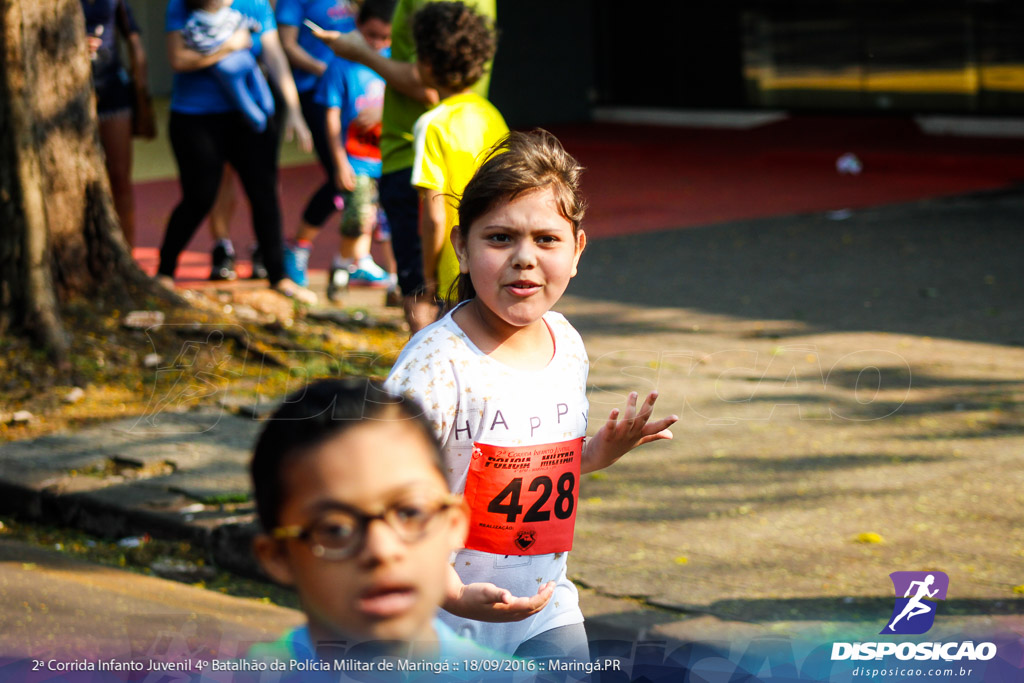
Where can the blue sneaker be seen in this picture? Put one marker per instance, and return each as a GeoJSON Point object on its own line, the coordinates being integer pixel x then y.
{"type": "Point", "coordinates": [368, 273]}
{"type": "Point", "coordinates": [296, 260]}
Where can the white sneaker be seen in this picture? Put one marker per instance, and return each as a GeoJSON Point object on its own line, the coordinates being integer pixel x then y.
{"type": "Point", "coordinates": [337, 283]}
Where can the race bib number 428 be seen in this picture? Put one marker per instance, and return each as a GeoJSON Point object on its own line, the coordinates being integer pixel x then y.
{"type": "Point", "coordinates": [522, 499]}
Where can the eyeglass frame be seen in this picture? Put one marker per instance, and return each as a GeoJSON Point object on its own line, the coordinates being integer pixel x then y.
{"type": "Point", "coordinates": [302, 532]}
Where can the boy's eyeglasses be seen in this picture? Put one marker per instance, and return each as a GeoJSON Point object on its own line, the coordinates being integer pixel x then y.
{"type": "Point", "coordinates": [339, 532]}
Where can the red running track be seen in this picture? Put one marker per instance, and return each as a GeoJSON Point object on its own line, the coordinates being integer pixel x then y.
{"type": "Point", "coordinates": [645, 178]}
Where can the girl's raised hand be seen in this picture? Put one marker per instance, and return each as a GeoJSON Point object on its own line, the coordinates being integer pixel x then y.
{"type": "Point", "coordinates": [624, 431]}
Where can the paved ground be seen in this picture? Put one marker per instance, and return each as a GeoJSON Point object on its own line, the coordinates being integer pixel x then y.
{"type": "Point", "coordinates": [52, 606]}
{"type": "Point", "coordinates": [834, 378]}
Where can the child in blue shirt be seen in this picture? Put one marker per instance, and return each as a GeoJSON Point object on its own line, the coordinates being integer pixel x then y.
{"type": "Point", "coordinates": [352, 96]}
{"type": "Point", "coordinates": [336, 458]}
{"type": "Point", "coordinates": [210, 24]}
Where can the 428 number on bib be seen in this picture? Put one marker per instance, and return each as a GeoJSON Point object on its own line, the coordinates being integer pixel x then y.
{"type": "Point", "coordinates": [565, 500]}
{"type": "Point", "coordinates": [522, 499]}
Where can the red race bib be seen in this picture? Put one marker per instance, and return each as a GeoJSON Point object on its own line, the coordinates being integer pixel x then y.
{"type": "Point", "coordinates": [522, 499]}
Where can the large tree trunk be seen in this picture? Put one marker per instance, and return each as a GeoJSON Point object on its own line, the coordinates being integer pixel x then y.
{"type": "Point", "coordinates": [59, 235]}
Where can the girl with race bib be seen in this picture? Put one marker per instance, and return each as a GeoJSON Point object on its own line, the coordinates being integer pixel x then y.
{"type": "Point", "coordinates": [502, 379]}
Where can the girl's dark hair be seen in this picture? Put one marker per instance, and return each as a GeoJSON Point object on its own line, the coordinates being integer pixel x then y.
{"type": "Point", "coordinates": [517, 164]}
{"type": "Point", "coordinates": [455, 41]}
{"type": "Point", "coordinates": [315, 414]}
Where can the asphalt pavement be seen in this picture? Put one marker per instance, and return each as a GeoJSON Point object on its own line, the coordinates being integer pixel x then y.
{"type": "Point", "coordinates": [54, 606]}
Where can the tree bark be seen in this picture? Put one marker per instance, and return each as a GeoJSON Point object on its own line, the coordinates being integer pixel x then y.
{"type": "Point", "coordinates": [59, 235]}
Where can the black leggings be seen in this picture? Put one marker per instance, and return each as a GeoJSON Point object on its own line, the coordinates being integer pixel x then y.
{"type": "Point", "coordinates": [321, 205]}
{"type": "Point", "coordinates": [202, 143]}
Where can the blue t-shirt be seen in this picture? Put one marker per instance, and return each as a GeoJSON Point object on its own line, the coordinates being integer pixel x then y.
{"type": "Point", "coordinates": [331, 15]}
{"type": "Point", "coordinates": [297, 646]}
{"type": "Point", "coordinates": [353, 87]}
{"type": "Point", "coordinates": [199, 92]}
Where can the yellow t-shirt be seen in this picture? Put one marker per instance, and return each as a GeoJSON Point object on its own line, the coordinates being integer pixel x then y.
{"type": "Point", "coordinates": [401, 111]}
{"type": "Point", "coordinates": [450, 141]}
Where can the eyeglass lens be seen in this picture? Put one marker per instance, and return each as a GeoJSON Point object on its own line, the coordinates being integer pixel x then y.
{"type": "Point", "coordinates": [340, 531]}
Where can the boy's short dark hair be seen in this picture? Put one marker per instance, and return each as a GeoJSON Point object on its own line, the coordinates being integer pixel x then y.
{"type": "Point", "coordinates": [381, 10]}
{"type": "Point", "coordinates": [455, 41]}
{"type": "Point", "coordinates": [319, 412]}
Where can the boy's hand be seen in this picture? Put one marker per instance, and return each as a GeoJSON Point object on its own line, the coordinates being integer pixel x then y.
{"type": "Point", "coordinates": [619, 436]}
{"type": "Point", "coordinates": [346, 177]}
{"type": "Point", "coordinates": [487, 602]}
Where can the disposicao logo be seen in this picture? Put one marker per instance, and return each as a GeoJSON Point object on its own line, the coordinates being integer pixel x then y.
{"type": "Point", "coordinates": [912, 615]}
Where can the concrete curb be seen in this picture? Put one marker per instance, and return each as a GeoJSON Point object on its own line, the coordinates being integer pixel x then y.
{"type": "Point", "coordinates": [160, 492]}
{"type": "Point", "coordinates": [226, 543]}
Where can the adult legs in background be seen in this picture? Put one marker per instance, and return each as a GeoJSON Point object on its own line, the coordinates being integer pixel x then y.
{"type": "Point", "coordinates": [224, 206]}
{"type": "Point", "coordinates": [199, 143]}
{"type": "Point", "coordinates": [223, 256]}
{"type": "Point", "coordinates": [401, 204]}
{"type": "Point", "coordinates": [116, 138]}
{"type": "Point", "coordinates": [254, 157]}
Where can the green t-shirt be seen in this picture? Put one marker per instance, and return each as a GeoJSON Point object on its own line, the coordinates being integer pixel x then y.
{"type": "Point", "coordinates": [400, 111]}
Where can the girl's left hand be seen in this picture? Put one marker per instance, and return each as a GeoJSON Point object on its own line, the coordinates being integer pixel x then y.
{"type": "Point", "coordinates": [619, 436]}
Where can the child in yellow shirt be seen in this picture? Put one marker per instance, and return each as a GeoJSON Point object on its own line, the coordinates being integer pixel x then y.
{"type": "Point", "coordinates": [453, 44]}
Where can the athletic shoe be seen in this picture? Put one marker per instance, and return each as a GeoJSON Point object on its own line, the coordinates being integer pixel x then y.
{"type": "Point", "coordinates": [296, 260]}
{"type": "Point", "coordinates": [223, 264]}
{"type": "Point", "coordinates": [337, 283]}
{"type": "Point", "coordinates": [369, 273]}
{"type": "Point", "coordinates": [259, 271]}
